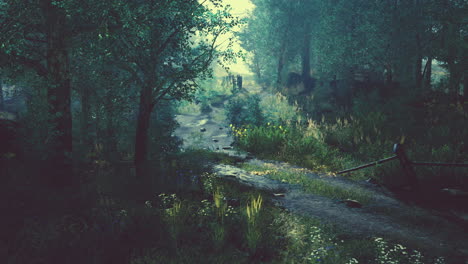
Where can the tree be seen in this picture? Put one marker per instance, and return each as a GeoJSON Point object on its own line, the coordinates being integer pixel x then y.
{"type": "Point", "coordinates": [165, 46]}
{"type": "Point", "coordinates": [269, 37]}
{"type": "Point", "coordinates": [39, 36]}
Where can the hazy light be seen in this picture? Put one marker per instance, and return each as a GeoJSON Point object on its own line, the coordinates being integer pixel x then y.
{"type": "Point", "coordinates": [242, 9]}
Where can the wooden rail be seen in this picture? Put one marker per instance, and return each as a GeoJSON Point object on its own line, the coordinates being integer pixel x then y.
{"type": "Point", "coordinates": [462, 165]}
{"type": "Point", "coordinates": [369, 164]}
{"type": "Point", "coordinates": [406, 165]}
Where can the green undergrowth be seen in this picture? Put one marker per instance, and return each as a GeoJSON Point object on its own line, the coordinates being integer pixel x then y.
{"type": "Point", "coordinates": [221, 222]}
{"type": "Point", "coordinates": [315, 186]}
{"type": "Point", "coordinates": [343, 140]}
{"type": "Point", "coordinates": [232, 223]}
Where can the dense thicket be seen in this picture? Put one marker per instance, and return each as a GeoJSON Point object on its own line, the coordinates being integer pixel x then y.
{"type": "Point", "coordinates": [391, 41]}
{"type": "Point", "coordinates": [103, 66]}
{"type": "Point", "coordinates": [367, 73]}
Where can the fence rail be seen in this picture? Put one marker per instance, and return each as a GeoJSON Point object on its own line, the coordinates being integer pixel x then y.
{"type": "Point", "coordinates": [369, 164]}
{"type": "Point", "coordinates": [406, 164]}
{"type": "Point", "coordinates": [462, 165]}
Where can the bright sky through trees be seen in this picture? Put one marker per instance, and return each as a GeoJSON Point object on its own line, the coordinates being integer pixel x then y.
{"type": "Point", "coordinates": [242, 9]}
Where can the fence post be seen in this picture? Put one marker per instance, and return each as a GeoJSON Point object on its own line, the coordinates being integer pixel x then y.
{"type": "Point", "coordinates": [406, 165]}
{"type": "Point", "coordinates": [239, 82]}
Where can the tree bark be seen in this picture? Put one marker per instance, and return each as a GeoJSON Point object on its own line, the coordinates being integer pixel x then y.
{"type": "Point", "coordinates": [110, 146]}
{"type": "Point", "coordinates": [58, 94]}
{"type": "Point", "coordinates": [281, 60]}
{"type": "Point", "coordinates": [418, 63]}
{"type": "Point", "coordinates": [141, 139]}
{"type": "Point", "coordinates": [86, 139]}
{"type": "Point", "coordinates": [428, 74]}
{"type": "Point", "coordinates": [306, 59]}
{"type": "Point", "coordinates": [465, 89]}
{"type": "Point", "coordinates": [257, 67]}
{"type": "Point", "coordinates": [453, 78]}
{"type": "Point", "coordinates": [2, 102]}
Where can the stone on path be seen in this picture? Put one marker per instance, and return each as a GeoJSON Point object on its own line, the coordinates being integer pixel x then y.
{"type": "Point", "coordinates": [352, 203]}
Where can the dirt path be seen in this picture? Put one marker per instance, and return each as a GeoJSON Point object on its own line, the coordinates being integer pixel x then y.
{"type": "Point", "coordinates": [384, 217]}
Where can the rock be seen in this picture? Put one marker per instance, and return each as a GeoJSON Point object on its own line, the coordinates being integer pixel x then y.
{"type": "Point", "coordinates": [233, 202]}
{"type": "Point", "coordinates": [352, 203]}
{"type": "Point", "coordinates": [454, 193]}
{"type": "Point", "coordinates": [461, 215]}
{"type": "Point", "coordinates": [202, 129]}
{"type": "Point", "coordinates": [227, 148]}
{"type": "Point", "coordinates": [372, 181]}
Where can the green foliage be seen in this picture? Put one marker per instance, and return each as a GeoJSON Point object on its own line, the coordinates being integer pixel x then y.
{"type": "Point", "coordinates": [311, 185]}
{"type": "Point", "coordinates": [293, 142]}
{"type": "Point", "coordinates": [396, 253]}
{"type": "Point", "coordinates": [188, 108]}
{"type": "Point", "coordinates": [253, 234]}
{"type": "Point", "coordinates": [226, 223]}
{"type": "Point", "coordinates": [244, 111]}
{"type": "Point", "coordinates": [163, 143]}
{"type": "Point", "coordinates": [277, 109]}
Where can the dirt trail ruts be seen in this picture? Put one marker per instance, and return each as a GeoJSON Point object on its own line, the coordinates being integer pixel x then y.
{"type": "Point", "coordinates": [384, 217]}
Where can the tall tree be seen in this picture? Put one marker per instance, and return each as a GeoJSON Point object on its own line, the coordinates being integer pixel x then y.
{"type": "Point", "coordinates": [39, 36]}
{"type": "Point", "coordinates": [165, 46]}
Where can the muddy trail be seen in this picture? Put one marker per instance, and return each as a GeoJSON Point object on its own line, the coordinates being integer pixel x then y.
{"type": "Point", "coordinates": [385, 216]}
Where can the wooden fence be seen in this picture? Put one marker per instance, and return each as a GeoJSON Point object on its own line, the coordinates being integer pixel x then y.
{"type": "Point", "coordinates": [406, 164]}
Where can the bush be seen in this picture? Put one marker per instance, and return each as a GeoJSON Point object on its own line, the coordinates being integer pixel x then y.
{"type": "Point", "coordinates": [291, 142]}
{"type": "Point", "coordinates": [277, 109]}
{"type": "Point", "coordinates": [245, 111]}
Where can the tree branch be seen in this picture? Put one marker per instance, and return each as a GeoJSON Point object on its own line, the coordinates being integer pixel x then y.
{"type": "Point", "coordinates": [130, 70]}
{"type": "Point", "coordinates": [166, 43]}
{"type": "Point", "coordinates": [40, 69]}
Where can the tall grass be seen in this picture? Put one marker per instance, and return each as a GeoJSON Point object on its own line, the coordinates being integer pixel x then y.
{"type": "Point", "coordinates": [302, 145]}
{"type": "Point", "coordinates": [277, 109]}
{"type": "Point", "coordinates": [312, 185]}
{"type": "Point", "coordinates": [253, 234]}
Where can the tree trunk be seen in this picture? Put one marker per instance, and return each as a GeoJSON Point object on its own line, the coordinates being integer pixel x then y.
{"type": "Point", "coordinates": [1, 97]}
{"type": "Point", "coordinates": [58, 94]}
{"type": "Point", "coordinates": [281, 60]}
{"type": "Point", "coordinates": [306, 59]}
{"type": "Point", "coordinates": [454, 74]}
{"type": "Point", "coordinates": [141, 139]}
{"type": "Point", "coordinates": [453, 79]}
{"type": "Point", "coordinates": [110, 146]}
{"type": "Point", "coordinates": [257, 67]}
{"type": "Point", "coordinates": [86, 139]}
{"type": "Point", "coordinates": [428, 74]}
{"type": "Point", "coordinates": [465, 89]}
{"type": "Point", "coordinates": [418, 63]}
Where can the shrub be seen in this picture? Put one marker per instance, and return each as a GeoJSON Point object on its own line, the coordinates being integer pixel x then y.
{"type": "Point", "coordinates": [245, 111]}
{"type": "Point", "coordinates": [277, 109]}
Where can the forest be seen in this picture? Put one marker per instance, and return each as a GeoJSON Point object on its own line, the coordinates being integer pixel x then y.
{"type": "Point", "coordinates": [234, 131]}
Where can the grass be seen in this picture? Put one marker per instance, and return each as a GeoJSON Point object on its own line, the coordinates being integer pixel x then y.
{"type": "Point", "coordinates": [188, 108]}
{"type": "Point", "coordinates": [315, 186]}
{"type": "Point", "coordinates": [224, 222]}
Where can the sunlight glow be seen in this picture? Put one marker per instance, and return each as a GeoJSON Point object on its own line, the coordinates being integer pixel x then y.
{"type": "Point", "coordinates": [242, 9]}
